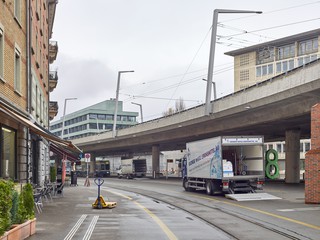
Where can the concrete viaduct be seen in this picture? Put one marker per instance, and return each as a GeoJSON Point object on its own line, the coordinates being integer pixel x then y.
{"type": "Point", "coordinates": [278, 108]}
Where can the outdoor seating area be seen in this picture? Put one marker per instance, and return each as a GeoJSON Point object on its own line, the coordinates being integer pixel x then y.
{"type": "Point", "coordinates": [46, 193]}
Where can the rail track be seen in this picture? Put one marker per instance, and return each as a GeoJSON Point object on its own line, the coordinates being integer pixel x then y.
{"type": "Point", "coordinates": [211, 211]}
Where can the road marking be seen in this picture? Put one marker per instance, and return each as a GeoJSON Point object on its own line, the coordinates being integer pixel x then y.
{"type": "Point", "coordinates": [119, 194]}
{"type": "Point", "coordinates": [90, 229]}
{"type": "Point", "coordinates": [299, 209]}
{"type": "Point", "coordinates": [75, 227]}
{"type": "Point", "coordinates": [263, 212]}
{"type": "Point", "coordinates": [162, 225]}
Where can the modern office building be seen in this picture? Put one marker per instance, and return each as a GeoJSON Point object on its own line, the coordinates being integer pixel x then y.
{"type": "Point", "coordinates": [25, 85]}
{"type": "Point", "coordinates": [257, 63]}
{"type": "Point", "coordinates": [93, 120]}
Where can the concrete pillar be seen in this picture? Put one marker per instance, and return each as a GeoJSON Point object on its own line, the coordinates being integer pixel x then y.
{"type": "Point", "coordinates": [155, 161]}
{"type": "Point", "coordinates": [92, 164]}
{"type": "Point", "coordinates": [292, 156]}
{"type": "Point", "coordinates": [312, 160]}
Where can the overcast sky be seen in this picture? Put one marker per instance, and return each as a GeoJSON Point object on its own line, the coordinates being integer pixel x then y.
{"type": "Point", "coordinates": [166, 43]}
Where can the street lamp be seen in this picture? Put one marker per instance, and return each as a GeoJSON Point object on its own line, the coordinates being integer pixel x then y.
{"type": "Point", "coordinates": [140, 110]}
{"type": "Point", "coordinates": [64, 113]}
{"type": "Point", "coordinates": [212, 51]}
{"type": "Point", "coordinates": [116, 106]}
{"type": "Point", "coordinates": [214, 89]}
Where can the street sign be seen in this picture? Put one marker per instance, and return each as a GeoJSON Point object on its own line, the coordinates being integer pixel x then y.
{"type": "Point", "coordinates": [87, 157]}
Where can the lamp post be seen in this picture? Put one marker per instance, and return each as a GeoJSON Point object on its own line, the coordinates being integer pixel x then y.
{"type": "Point", "coordinates": [116, 106]}
{"type": "Point", "coordinates": [64, 113]}
{"type": "Point", "coordinates": [140, 110]}
{"type": "Point", "coordinates": [212, 51]}
{"type": "Point", "coordinates": [214, 89]}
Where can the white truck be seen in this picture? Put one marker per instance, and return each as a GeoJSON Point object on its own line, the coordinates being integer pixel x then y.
{"type": "Point", "coordinates": [131, 168]}
{"type": "Point", "coordinates": [225, 164]}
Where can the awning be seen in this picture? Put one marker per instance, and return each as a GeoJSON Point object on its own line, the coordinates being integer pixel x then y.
{"type": "Point", "coordinates": [64, 145]}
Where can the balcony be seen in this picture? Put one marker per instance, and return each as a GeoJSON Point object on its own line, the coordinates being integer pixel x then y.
{"type": "Point", "coordinates": [53, 109]}
{"type": "Point", "coordinates": [53, 80]}
{"type": "Point", "coordinates": [53, 51]}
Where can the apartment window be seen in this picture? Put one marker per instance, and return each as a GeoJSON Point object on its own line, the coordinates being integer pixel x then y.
{"type": "Point", "coordinates": [301, 146]}
{"type": "Point", "coordinates": [308, 46]}
{"type": "Point", "coordinates": [307, 146]}
{"type": "Point", "coordinates": [1, 54]}
{"type": "Point", "coordinates": [8, 160]}
{"type": "Point", "coordinates": [17, 71]}
{"type": "Point", "coordinates": [17, 9]}
{"type": "Point", "coordinates": [286, 51]}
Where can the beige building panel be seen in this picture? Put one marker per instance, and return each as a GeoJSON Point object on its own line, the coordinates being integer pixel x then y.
{"type": "Point", "coordinates": [244, 70]}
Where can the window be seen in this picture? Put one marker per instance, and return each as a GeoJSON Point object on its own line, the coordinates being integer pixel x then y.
{"type": "Point", "coordinates": [8, 161]}
{"type": "Point", "coordinates": [93, 116]}
{"type": "Point", "coordinates": [17, 71]}
{"type": "Point", "coordinates": [1, 54]}
{"type": "Point", "coordinates": [264, 70]}
{"type": "Point", "coordinates": [101, 116]}
{"type": "Point", "coordinates": [17, 9]}
{"type": "Point", "coordinates": [284, 66]}
{"type": "Point", "coordinates": [279, 147]}
{"type": "Point", "coordinates": [270, 69]}
{"type": "Point", "coordinates": [291, 64]}
{"type": "Point", "coordinates": [307, 146]}
{"type": "Point", "coordinates": [265, 55]}
{"type": "Point", "coordinates": [258, 72]}
{"type": "Point", "coordinates": [278, 66]}
{"type": "Point", "coordinates": [308, 46]}
{"type": "Point", "coordinates": [286, 51]}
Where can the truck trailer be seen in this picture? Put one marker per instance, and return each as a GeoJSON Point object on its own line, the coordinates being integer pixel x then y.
{"type": "Point", "coordinates": [131, 168]}
{"type": "Point", "coordinates": [225, 164]}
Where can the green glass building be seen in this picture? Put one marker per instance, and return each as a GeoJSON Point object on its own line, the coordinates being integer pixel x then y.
{"type": "Point", "coordinates": [93, 120]}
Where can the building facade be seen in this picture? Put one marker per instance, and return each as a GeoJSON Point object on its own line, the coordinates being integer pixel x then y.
{"type": "Point", "coordinates": [93, 120]}
{"type": "Point", "coordinates": [25, 52]}
{"type": "Point", "coordinates": [257, 63]}
{"type": "Point", "coordinates": [264, 61]}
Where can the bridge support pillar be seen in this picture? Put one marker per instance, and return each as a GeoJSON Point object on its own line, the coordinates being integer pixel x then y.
{"type": "Point", "coordinates": [312, 161]}
{"type": "Point", "coordinates": [92, 164]}
{"type": "Point", "coordinates": [155, 161]}
{"type": "Point", "coordinates": [292, 156]}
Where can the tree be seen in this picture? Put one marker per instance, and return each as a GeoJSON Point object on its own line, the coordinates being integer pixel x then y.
{"type": "Point", "coordinates": [179, 106]}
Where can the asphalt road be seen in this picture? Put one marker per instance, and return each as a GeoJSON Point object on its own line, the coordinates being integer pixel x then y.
{"type": "Point", "coordinates": [140, 217]}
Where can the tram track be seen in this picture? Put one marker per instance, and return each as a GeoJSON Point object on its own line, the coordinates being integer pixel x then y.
{"type": "Point", "coordinates": [234, 224]}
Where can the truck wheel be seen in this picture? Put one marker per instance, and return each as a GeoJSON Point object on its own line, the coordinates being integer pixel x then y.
{"type": "Point", "coordinates": [209, 187]}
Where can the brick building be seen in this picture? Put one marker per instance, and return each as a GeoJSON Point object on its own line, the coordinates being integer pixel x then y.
{"type": "Point", "coordinates": [25, 86]}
